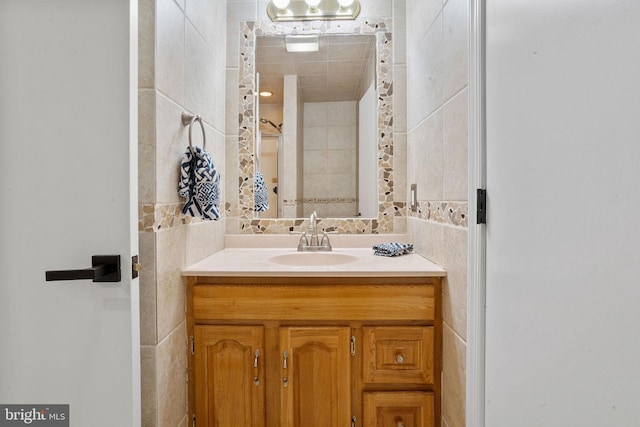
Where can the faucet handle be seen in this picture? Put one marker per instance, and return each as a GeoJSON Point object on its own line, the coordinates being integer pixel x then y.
{"type": "Point", "coordinates": [304, 242]}
{"type": "Point", "coordinates": [325, 245]}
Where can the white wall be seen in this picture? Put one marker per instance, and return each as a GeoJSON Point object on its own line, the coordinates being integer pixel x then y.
{"type": "Point", "coordinates": [563, 179]}
{"type": "Point", "coordinates": [367, 153]}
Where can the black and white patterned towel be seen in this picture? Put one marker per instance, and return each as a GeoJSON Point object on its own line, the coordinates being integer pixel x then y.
{"type": "Point", "coordinates": [392, 249]}
{"type": "Point", "coordinates": [260, 193]}
{"type": "Point", "coordinates": [200, 185]}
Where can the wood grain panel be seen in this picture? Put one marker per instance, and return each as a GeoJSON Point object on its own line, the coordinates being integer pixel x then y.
{"type": "Point", "coordinates": [314, 318]}
{"type": "Point", "coordinates": [399, 409]}
{"type": "Point", "coordinates": [318, 377]}
{"type": "Point", "coordinates": [295, 302]}
{"type": "Point", "coordinates": [227, 393]}
{"type": "Point", "coordinates": [398, 355]}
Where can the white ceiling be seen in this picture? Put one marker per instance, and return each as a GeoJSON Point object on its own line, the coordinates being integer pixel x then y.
{"type": "Point", "coordinates": [333, 73]}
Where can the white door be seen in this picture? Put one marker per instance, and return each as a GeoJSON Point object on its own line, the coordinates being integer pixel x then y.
{"type": "Point", "coordinates": [563, 224]}
{"type": "Point", "coordinates": [68, 144]}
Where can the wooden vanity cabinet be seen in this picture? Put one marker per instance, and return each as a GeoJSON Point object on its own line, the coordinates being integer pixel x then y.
{"type": "Point", "coordinates": [315, 351]}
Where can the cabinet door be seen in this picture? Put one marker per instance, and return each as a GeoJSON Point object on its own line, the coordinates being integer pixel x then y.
{"type": "Point", "coordinates": [399, 409]}
{"type": "Point", "coordinates": [316, 377]}
{"type": "Point", "coordinates": [229, 376]}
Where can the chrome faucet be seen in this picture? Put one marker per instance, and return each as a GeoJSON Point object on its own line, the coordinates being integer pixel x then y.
{"type": "Point", "coordinates": [312, 243]}
{"type": "Point", "coordinates": [313, 228]}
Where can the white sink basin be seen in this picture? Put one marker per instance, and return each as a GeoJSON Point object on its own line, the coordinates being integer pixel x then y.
{"type": "Point", "coordinates": [313, 258]}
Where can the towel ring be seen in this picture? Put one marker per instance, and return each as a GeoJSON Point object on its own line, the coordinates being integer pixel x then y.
{"type": "Point", "coordinates": [189, 120]}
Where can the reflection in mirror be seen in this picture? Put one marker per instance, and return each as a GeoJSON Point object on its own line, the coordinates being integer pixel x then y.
{"type": "Point", "coordinates": [280, 118]}
{"type": "Point", "coordinates": [336, 86]}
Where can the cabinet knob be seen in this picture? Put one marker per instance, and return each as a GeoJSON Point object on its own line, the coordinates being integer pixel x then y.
{"type": "Point", "coordinates": [399, 358]}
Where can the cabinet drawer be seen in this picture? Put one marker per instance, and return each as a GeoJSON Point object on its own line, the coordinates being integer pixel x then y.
{"type": "Point", "coordinates": [404, 303]}
{"type": "Point", "coordinates": [401, 355]}
{"type": "Point", "coordinates": [399, 409]}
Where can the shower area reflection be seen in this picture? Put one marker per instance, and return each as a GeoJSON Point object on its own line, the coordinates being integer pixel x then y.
{"type": "Point", "coordinates": [328, 105]}
{"type": "Point", "coordinates": [268, 155]}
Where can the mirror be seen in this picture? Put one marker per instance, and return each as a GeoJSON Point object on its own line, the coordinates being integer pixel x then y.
{"type": "Point", "coordinates": [336, 88]}
{"type": "Point", "coordinates": [262, 51]}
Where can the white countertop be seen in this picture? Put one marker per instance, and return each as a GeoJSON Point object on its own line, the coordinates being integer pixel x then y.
{"type": "Point", "coordinates": [255, 262]}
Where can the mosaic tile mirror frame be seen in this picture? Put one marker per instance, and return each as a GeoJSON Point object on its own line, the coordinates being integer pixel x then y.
{"type": "Point", "coordinates": [248, 223]}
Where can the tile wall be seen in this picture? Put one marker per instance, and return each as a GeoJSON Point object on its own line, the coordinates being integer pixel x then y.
{"type": "Point", "coordinates": [330, 159]}
{"type": "Point", "coordinates": [181, 68]}
{"type": "Point", "coordinates": [436, 138]}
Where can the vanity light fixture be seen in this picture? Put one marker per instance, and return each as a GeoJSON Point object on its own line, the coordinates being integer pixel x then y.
{"type": "Point", "coordinates": [281, 4]}
{"type": "Point", "coordinates": [345, 3]}
{"type": "Point", "coordinates": [295, 43]}
{"type": "Point", "coordinates": [313, 5]}
{"type": "Point", "coordinates": [312, 10]}
{"type": "Point", "coordinates": [266, 93]}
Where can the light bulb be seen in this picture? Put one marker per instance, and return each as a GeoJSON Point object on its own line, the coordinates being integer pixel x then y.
{"type": "Point", "coordinates": [280, 4]}
{"type": "Point", "coordinates": [345, 3]}
{"type": "Point", "coordinates": [313, 3]}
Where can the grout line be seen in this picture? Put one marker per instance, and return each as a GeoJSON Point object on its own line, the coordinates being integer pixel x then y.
{"type": "Point", "coordinates": [455, 333]}
{"type": "Point", "coordinates": [444, 224]}
{"type": "Point", "coordinates": [183, 323]}
{"type": "Point", "coordinates": [438, 15]}
{"type": "Point", "coordinates": [440, 107]}
{"type": "Point", "coordinates": [182, 107]}
{"type": "Point", "coordinates": [211, 48]}
{"type": "Point", "coordinates": [185, 419]}
{"type": "Point", "coordinates": [182, 9]}
{"type": "Point", "coordinates": [450, 99]}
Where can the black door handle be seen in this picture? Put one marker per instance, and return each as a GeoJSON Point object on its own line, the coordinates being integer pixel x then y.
{"type": "Point", "coordinates": [104, 268]}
